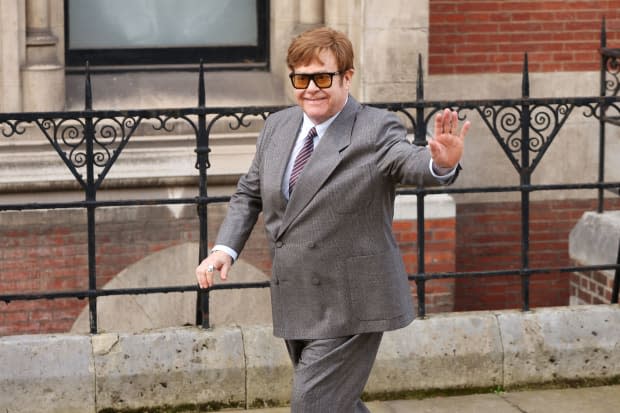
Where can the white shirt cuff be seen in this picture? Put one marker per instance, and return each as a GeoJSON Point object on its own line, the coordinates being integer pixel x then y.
{"type": "Point", "coordinates": [234, 254]}
{"type": "Point", "coordinates": [442, 174]}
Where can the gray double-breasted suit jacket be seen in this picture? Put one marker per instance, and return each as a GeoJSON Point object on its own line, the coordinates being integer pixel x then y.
{"type": "Point", "coordinates": [337, 269]}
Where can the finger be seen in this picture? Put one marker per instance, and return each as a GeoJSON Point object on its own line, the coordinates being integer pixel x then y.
{"type": "Point", "coordinates": [438, 125]}
{"type": "Point", "coordinates": [465, 129]}
{"type": "Point", "coordinates": [224, 272]}
{"type": "Point", "coordinates": [201, 277]}
{"type": "Point", "coordinates": [204, 274]}
{"type": "Point", "coordinates": [442, 126]}
{"type": "Point", "coordinates": [449, 122]}
{"type": "Point", "coordinates": [454, 122]}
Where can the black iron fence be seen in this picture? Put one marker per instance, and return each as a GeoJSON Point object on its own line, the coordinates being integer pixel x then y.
{"type": "Point", "coordinates": [89, 142]}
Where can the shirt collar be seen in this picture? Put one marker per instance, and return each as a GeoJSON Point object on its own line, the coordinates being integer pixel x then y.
{"type": "Point", "coordinates": [321, 127]}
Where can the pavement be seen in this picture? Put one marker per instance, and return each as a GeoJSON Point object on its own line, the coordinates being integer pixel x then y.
{"type": "Point", "coordinates": [604, 399]}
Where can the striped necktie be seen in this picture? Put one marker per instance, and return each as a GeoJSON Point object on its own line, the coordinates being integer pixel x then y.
{"type": "Point", "coordinates": [302, 158]}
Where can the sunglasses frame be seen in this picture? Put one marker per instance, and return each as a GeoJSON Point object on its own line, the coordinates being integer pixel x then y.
{"type": "Point", "coordinates": [312, 77]}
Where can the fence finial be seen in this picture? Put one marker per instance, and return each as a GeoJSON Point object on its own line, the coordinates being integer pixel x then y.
{"type": "Point", "coordinates": [525, 84]}
{"type": "Point", "coordinates": [201, 85]}
{"type": "Point", "coordinates": [420, 86]}
{"type": "Point", "coordinates": [88, 91]}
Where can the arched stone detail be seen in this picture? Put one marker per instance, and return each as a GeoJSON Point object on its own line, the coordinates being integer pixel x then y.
{"type": "Point", "coordinates": [170, 267]}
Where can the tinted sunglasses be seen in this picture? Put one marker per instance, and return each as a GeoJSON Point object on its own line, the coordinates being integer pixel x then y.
{"type": "Point", "coordinates": [322, 80]}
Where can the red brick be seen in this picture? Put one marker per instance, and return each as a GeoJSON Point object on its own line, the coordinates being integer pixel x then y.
{"type": "Point", "coordinates": [535, 25]}
{"type": "Point", "coordinates": [403, 225]}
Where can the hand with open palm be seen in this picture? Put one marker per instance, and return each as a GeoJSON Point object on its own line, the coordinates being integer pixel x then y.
{"type": "Point", "coordinates": [448, 142]}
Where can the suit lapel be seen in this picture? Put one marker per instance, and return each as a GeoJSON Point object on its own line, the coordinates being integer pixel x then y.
{"type": "Point", "coordinates": [326, 157]}
{"type": "Point", "coordinates": [278, 159]}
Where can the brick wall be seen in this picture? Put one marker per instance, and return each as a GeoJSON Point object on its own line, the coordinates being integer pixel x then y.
{"type": "Point", "coordinates": [440, 256]}
{"type": "Point", "coordinates": [46, 251]}
{"type": "Point", "coordinates": [592, 287]}
{"type": "Point", "coordinates": [488, 238]}
{"type": "Point", "coordinates": [484, 36]}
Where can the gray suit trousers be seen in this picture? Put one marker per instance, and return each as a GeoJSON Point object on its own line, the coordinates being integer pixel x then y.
{"type": "Point", "coordinates": [330, 374]}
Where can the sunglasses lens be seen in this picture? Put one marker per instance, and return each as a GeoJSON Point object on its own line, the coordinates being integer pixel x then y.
{"type": "Point", "coordinates": [323, 80]}
{"type": "Point", "coordinates": [300, 81]}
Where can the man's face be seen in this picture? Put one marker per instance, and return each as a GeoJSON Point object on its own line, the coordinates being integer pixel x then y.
{"type": "Point", "coordinates": [321, 104]}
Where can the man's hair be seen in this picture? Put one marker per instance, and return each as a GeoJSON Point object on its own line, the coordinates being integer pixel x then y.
{"type": "Point", "coordinates": [305, 48]}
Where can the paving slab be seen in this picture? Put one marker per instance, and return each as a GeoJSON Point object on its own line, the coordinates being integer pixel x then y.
{"type": "Point", "coordinates": [478, 403]}
{"type": "Point", "coordinates": [605, 399]}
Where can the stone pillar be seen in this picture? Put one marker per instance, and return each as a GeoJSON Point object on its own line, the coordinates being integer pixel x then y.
{"type": "Point", "coordinates": [310, 12]}
{"type": "Point", "coordinates": [346, 16]}
{"type": "Point", "coordinates": [387, 36]}
{"type": "Point", "coordinates": [43, 78]}
{"type": "Point", "coordinates": [11, 55]}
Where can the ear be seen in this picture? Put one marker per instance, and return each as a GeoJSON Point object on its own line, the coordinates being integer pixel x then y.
{"type": "Point", "coordinates": [347, 76]}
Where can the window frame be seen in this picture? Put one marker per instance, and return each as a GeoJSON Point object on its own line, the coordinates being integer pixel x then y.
{"type": "Point", "coordinates": [229, 57]}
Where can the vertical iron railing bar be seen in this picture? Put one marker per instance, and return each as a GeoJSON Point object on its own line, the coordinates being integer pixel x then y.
{"type": "Point", "coordinates": [421, 270]}
{"type": "Point", "coordinates": [616, 285]}
{"type": "Point", "coordinates": [91, 195]}
{"type": "Point", "coordinates": [525, 178]}
{"type": "Point", "coordinates": [603, 111]}
{"type": "Point", "coordinates": [202, 163]}
{"type": "Point", "coordinates": [420, 140]}
{"type": "Point", "coordinates": [420, 127]}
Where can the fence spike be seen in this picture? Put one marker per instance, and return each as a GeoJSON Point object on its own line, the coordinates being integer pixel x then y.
{"type": "Point", "coordinates": [525, 84]}
{"type": "Point", "coordinates": [201, 85]}
{"type": "Point", "coordinates": [420, 85]}
{"type": "Point", "coordinates": [88, 91]}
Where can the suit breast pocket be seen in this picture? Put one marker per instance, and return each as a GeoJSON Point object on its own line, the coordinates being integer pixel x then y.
{"type": "Point", "coordinates": [350, 190]}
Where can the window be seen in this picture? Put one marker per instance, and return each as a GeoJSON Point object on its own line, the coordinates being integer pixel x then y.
{"type": "Point", "coordinates": [159, 33]}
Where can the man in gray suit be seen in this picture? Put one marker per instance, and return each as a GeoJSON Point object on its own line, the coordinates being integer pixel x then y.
{"type": "Point", "coordinates": [324, 177]}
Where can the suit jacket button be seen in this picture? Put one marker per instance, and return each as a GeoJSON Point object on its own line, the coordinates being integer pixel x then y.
{"type": "Point", "coordinates": [279, 244]}
{"type": "Point", "coordinates": [316, 281]}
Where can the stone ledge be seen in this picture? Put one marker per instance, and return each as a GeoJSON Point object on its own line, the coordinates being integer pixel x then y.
{"type": "Point", "coordinates": [232, 366]}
